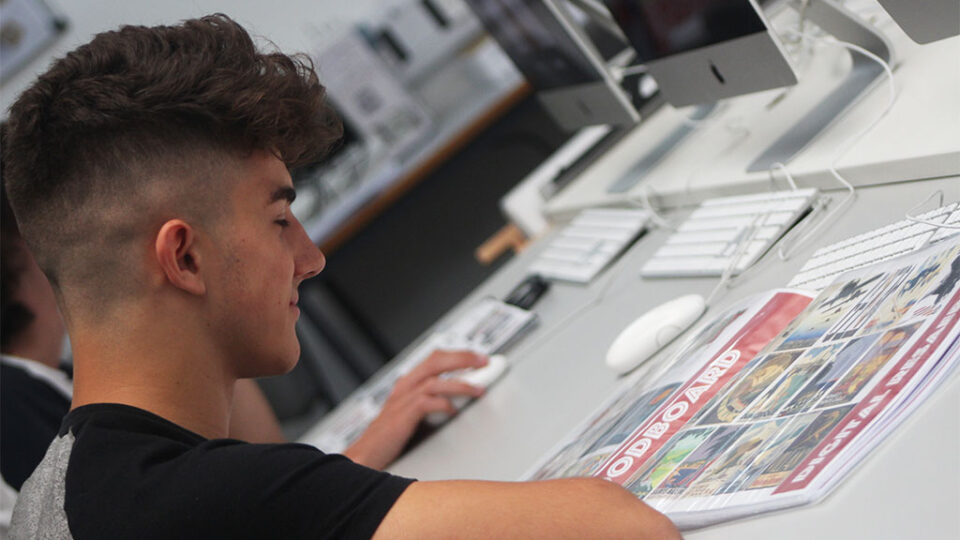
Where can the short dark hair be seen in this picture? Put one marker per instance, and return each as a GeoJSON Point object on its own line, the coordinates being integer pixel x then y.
{"type": "Point", "coordinates": [140, 103]}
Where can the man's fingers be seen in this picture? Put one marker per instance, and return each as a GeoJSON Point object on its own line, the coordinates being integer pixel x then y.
{"type": "Point", "coordinates": [429, 404]}
{"type": "Point", "coordinates": [443, 361]}
{"type": "Point", "coordinates": [451, 387]}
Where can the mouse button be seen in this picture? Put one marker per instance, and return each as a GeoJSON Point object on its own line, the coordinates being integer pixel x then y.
{"type": "Point", "coordinates": [667, 333]}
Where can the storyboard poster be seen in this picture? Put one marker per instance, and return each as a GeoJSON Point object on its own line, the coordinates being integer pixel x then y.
{"type": "Point", "coordinates": [799, 391]}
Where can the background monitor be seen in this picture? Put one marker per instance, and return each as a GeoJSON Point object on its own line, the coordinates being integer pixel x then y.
{"type": "Point", "coordinates": [568, 75]}
{"type": "Point", "coordinates": [700, 51]}
{"type": "Point", "coordinates": [925, 20]}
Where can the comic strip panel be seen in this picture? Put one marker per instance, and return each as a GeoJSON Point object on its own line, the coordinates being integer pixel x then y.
{"type": "Point", "coordinates": [690, 468]}
{"type": "Point", "coordinates": [741, 395]}
{"type": "Point", "coordinates": [786, 387]}
{"type": "Point", "coordinates": [666, 460]}
{"type": "Point", "coordinates": [794, 454]}
{"type": "Point", "coordinates": [632, 417]}
{"type": "Point", "coordinates": [828, 376]}
{"type": "Point", "coordinates": [860, 375]}
{"type": "Point", "coordinates": [788, 434]}
{"type": "Point", "coordinates": [830, 305]}
{"type": "Point", "coordinates": [736, 459]}
{"type": "Point", "coordinates": [919, 297]}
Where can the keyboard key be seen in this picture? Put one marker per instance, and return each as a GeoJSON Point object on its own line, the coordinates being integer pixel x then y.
{"type": "Point", "coordinates": [714, 234]}
{"type": "Point", "coordinates": [589, 243]}
{"type": "Point", "coordinates": [873, 247]}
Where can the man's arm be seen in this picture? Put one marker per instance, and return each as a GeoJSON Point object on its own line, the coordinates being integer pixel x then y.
{"type": "Point", "coordinates": [414, 396]}
{"type": "Point", "coordinates": [573, 508]}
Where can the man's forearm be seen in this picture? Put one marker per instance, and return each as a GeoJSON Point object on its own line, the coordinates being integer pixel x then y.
{"type": "Point", "coordinates": [571, 508]}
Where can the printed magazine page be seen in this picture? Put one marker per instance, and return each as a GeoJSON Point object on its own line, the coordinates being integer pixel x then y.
{"type": "Point", "coordinates": [778, 414]}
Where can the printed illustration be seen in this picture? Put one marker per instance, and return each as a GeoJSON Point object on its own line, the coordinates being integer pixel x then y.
{"type": "Point", "coordinates": [751, 385]}
{"type": "Point", "coordinates": [786, 436]}
{"type": "Point", "coordinates": [831, 372]}
{"type": "Point", "coordinates": [860, 375]}
{"type": "Point", "coordinates": [735, 460]}
{"type": "Point", "coordinates": [605, 430]}
{"type": "Point", "coordinates": [734, 381]}
{"type": "Point", "coordinates": [666, 460]}
{"type": "Point", "coordinates": [791, 382]}
{"type": "Point", "coordinates": [856, 317]}
{"type": "Point", "coordinates": [935, 297]}
{"type": "Point", "coordinates": [690, 468]}
{"type": "Point", "coordinates": [632, 417]}
{"type": "Point", "coordinates": [833, 302]}
{"type": "Point", "coordinates": [818, 429]}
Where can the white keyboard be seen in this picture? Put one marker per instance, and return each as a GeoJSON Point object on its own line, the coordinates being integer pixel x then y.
{"type": "Point", "coordinates": [727, 228]}
{"type": "Point", "coordinates": [589, 243]}
{"type": "Point", "coordinates": [875, 246]}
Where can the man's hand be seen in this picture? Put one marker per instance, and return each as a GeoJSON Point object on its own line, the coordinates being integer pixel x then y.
{"type": "Point", "coordinates": [416, 394]}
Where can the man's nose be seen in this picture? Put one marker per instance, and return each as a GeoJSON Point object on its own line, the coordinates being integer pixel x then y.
{"type": "Point", "coordinates": [310, 260]}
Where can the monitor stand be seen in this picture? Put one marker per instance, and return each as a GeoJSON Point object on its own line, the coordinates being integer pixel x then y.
{"type": "Point", "coordinates": [660, 151]}
{"type": "Point", "coordinates": [845, 26]}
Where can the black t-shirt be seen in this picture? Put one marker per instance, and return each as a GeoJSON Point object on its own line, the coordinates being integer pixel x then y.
{"type": "Point", "coordinates": [131, 474]}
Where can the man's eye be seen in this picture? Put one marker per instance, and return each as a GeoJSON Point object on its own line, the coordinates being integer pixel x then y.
{"type": "Point", "coordinates": [283, 222]}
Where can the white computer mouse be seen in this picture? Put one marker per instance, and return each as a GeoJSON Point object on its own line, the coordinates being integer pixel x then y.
{"type": "Point", "coordinates": [652, 331]}
{"type": "Point", "coordinates": [483, 377]}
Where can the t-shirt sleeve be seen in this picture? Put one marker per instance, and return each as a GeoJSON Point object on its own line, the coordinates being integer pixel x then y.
{"type": "Point", "coordinates": [284, 491]}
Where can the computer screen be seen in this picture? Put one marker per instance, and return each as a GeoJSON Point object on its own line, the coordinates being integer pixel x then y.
{"type": "Point", "coordinates": [925, 20]}
{"type": "Point", "coordinates": [568, 75]}
{"type": "Point", "coordinates": [700, 51]}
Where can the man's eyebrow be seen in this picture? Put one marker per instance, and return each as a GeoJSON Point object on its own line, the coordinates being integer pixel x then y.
{"type": "Point", "coordinates": [286, 193]}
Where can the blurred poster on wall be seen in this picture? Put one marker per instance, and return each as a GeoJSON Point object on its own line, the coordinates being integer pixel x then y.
{"type": "Point", "coordinates": [27, 27]}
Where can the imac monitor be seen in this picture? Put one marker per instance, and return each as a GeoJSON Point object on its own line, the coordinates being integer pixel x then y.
{"type": "Point", "coordinates": [568, 74]}
{"type": "Point", "coordinates": [701, 51]}
{"type": "Point", "coordinates": [927, 20]}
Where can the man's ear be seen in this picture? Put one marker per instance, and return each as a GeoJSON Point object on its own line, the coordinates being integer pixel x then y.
{"type": "Point", "coordinates": [178, 257]}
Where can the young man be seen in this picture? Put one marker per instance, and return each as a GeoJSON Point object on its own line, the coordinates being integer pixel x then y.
{"type": "Point", "coordinates": [148, 171]}
{"type": "Point", "coordinates": [35, 389]}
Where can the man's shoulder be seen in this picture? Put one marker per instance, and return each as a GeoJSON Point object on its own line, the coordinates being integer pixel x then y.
{"type": "Point", "coordinates": [121, 472]}
{"type": "Point", "coordinates": [39, 512]}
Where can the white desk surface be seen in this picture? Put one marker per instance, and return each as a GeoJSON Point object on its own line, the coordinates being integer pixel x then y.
{"type": "Point", "coordinates": [908, 487]}
{"type": "Point", "coordinates": [919, 138]}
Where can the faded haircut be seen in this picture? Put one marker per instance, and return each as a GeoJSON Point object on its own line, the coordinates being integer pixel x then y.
{"type": "Point", "coordinates": [143, 124]}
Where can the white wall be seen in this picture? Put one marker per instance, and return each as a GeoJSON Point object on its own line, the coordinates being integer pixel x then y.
{"type": "Point", "coordinates": [294, 25]}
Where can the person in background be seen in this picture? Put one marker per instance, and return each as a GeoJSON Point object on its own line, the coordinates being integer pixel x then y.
{"type": "Point", "coordinates": [149, 174]}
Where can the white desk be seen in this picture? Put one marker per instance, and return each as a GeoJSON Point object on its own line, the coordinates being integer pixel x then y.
{"type": "Point", "coordinates": [909, 485]}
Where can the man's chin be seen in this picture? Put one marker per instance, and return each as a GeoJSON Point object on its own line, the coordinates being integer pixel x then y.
{"type": "Point", "coordinates": [276, 365]}
{"type": "Point", "coordinates": [285, 364]}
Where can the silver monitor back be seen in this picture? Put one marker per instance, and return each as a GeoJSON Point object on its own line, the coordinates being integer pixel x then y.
{"type": "Point", "coordinates": [925, 20]}
{"type": "Point", "coordinates": [568, 74]}
{"type": "Point", "coordinates": [700, 51]}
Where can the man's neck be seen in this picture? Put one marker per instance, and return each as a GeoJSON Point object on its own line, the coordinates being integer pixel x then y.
{"type": "Point", "coordinates": [176, 379]}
